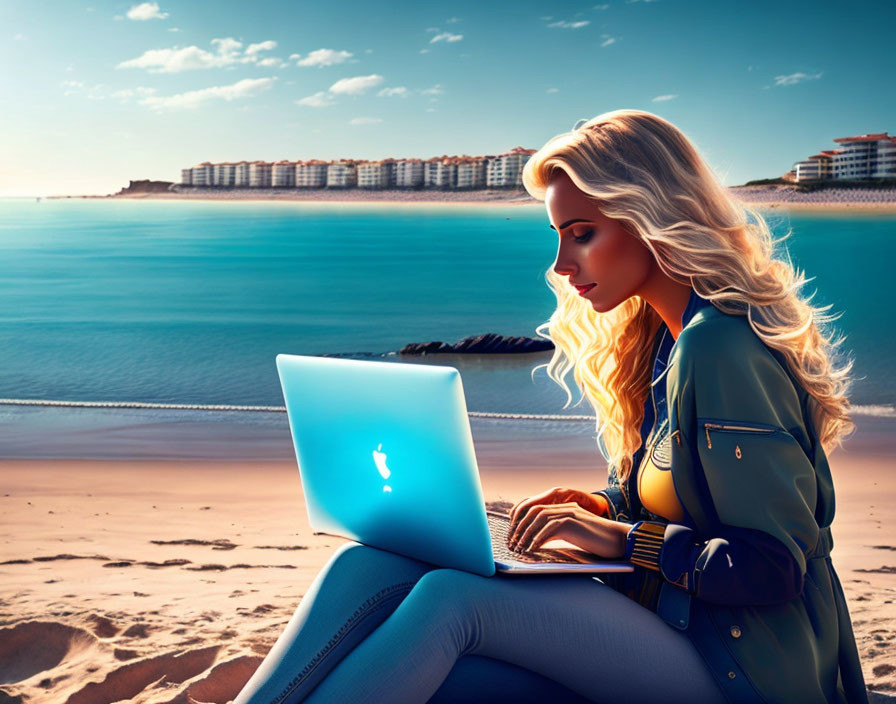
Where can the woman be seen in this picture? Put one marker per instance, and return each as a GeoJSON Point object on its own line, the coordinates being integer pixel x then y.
{"type": "Point", "coordinates": [717, 398]}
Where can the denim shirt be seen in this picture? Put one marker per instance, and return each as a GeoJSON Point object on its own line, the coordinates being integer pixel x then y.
{"type": "Point", "coordinates": [643, 585]}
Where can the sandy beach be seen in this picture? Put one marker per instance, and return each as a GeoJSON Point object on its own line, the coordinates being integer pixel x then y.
{"type": "Point", "coordinates": [154, 581]}
{"type": "Point", "coordinates": [852, 200]}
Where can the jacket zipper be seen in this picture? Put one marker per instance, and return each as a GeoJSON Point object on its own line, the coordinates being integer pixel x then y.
{"type": "Point", "coordinates": [723, 426]}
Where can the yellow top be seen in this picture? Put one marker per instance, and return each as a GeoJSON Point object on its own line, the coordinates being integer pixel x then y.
{"type": "Point", "coordinates": [655, 486]}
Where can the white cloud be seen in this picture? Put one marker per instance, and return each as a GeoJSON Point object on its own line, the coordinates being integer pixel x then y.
{"type": "Point", "coordinates": [389, 92]}
{"type": "Point", "coordinates": [435, 90]}
{"type": "Point", "coordinates": [424, 51]}
{"type": "Point", "coordinates": [193, 99]}
{"type": "Point", "coordinates": [608, 41]}
{"type": "Point", "coordinates": [271, 61]}
{"type": "Point", "coordinates": [146, 11]}
{"type": "Point", "coordinates": [97, 91]}
{"type": "Point", "coordinates": [664, 98]}
{"type": "Point", "coordinates": [19, 37]}
{"type": "Point", "coordinates": [355, 85]}
{"type": "Point", "coordinates": [364, 120]}
{"type": "Point", "coordinates": [325, 57]}
{"type": "Point", "coordinates": [177, 59]}
{"type": "Point", "coordinates": [254, 49]}
{"type": "Point", "coordinates": [128, 93]}
{"type": "Point", "coordinates": [174, 29]}
{"type": "Point", "coordinates": [794, 78]}
{"type": "Point", "coordinates": [321, 99]}
{"type": "Point", "coordinates": [293, 57]}
{"type": "Point", "coordinates": [446, 37]}
{"type": "Point", "coordinates": [570, 25]}
{"type": "Point", "coordinates": [552, 90]}
{"type": "Point", "coordinates": [452, 20]}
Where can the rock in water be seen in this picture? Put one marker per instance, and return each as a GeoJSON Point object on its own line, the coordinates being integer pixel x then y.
{"type": "Point", "coordinates": [489, 343]}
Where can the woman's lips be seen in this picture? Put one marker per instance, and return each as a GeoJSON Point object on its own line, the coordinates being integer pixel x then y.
{"type": "Point", "coordinates": [584, 289]}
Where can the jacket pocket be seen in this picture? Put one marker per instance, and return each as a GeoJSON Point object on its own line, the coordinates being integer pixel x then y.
{"type": "Point", "coordinates": [730, 429]}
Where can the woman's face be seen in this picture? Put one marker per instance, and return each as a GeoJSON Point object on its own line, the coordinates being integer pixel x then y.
{"type": "Point", "coordinates": [595, 250]}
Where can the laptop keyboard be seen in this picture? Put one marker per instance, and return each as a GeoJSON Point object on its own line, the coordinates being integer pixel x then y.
{"type": "Point", "coordinates": [499, 525]}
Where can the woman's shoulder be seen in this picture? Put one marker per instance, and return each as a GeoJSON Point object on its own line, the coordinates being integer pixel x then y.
{"type": "Point", "coordinates": [731, 373]}
{"type": "Point", "coordinates": [715, 337]}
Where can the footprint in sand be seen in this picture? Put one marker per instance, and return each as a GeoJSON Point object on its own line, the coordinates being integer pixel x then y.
{"type": "Point", "coordinates": [223, 682]}
{"type": "Point", "coordinates": [138, 630]}
{"type": "Point", "coordinates": [31, 647]}
{"type": "Point", "coordinates": [131, 679]}
{"type": "Point", "coordinates": [101, 626]}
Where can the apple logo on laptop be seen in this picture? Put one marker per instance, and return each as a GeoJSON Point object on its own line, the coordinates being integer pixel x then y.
{"type": "Point", "coordinates": [379, 459]}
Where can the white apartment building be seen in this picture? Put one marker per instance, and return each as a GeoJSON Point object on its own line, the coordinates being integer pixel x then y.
{"type": "Point", "coordinates": [430, 167]}
{"type": "Point", "coordinates": [506, 170]}
{"type": "Point", "coordinates": [866, 156]}
{"type": "Point", "coordinates": [283, 174]}
{"type": "Point", "coordinates": [241, 174]}
{"type": "Point", "coordinates": [408, 173]}
{"type": "Point", "coordinates": [376, 174]}
{"type": "Point", "coordinates": [440, 172]}
{"type": "Point", "coordinates": [260, 174]}
{"type": "Point", "coordinates": [471, 172]}
{"type": "Point", "coordinates": [342, 174]}
{"type": "Point", "coordinates": [224, 174]}
{"type": "Point", "coordinates": [203, 174]}
{"type": "Point", "coordinates": [311, 173]}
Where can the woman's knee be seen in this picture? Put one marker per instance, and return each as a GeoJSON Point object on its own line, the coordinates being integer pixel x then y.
{"type": "Point", "coordinates": [359, 559]}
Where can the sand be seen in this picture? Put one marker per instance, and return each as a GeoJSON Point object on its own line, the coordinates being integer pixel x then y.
{"type": "Point", "coordinates": [832, 200]}
{"type": "Point", "coordinates": [169, 581]}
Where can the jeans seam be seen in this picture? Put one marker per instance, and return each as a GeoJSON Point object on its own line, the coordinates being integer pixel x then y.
{"type": "Point", "coordinates": [370, 606]}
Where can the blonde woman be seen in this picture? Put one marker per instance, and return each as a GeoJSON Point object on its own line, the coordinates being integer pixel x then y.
{"type": "Point", "coordinates": [718, 397]}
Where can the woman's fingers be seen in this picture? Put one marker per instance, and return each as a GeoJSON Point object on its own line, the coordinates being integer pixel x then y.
{"type": "Point", "coordinates": [551, 496]}
{"type": "Point", "coordinates": [535, 520]}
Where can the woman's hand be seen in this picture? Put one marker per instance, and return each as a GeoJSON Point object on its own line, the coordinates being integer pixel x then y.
{"type": "Point", "coordinates": [570, 515]}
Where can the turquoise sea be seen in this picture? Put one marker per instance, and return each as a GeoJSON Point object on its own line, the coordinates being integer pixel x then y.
{"type": "Point", "coordinates": [188, 303]}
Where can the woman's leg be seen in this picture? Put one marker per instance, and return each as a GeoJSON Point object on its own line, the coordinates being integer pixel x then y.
{"type": "Point", "coordinates": [476, 679]}
{"type": "Point", "coordinates": [353, 594]}
{"type": "Point", "coordinates": [570, 629]}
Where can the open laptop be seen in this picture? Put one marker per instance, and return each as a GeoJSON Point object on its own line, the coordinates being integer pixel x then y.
{"type": "Point", "coordinates": [386, 459]}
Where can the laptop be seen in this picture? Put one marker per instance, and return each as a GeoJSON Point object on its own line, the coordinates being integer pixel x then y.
{"type": "Point", "coordinates": [386, 458]}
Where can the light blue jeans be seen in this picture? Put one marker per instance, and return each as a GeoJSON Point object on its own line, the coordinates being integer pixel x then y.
{"type": "Point", "coordinates": [377, 627]}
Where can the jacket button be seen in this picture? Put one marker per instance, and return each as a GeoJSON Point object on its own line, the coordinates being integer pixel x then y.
{"type": "Point", "coordinates": [735, 631]}
{"type": "Point", "coordinates": [731, 675]}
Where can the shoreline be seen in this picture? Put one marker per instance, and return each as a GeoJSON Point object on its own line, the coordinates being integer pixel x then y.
{"type": "Point", "coordinates": [845, 200]}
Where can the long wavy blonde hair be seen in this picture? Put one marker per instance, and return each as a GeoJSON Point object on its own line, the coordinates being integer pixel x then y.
{"type": "Point", "coordinates": [643, 171]}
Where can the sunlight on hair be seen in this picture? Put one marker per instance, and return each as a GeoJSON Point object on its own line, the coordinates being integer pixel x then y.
{"type": "Point", "coordinates": [642, 170]}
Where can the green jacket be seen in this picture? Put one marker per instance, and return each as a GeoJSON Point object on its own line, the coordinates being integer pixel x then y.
{"type": "Point", "coordinates": [747, 575]}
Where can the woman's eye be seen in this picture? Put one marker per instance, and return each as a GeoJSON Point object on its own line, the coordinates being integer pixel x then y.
{"type": "Point", "coordinates": [585, 237]}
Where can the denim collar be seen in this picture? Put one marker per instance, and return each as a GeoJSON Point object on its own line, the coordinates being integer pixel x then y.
{"type": "Point", "coordinates": [664, 338]}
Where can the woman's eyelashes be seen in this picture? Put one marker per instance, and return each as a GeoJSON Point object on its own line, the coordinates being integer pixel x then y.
{"type": "Point", "coordinates": [585, 237]}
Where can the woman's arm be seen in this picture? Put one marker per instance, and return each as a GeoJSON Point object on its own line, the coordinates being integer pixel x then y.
{"type": "Point", "coordinates": [617, 506]}
{"type": "Point", "coordinates": [736, 461]}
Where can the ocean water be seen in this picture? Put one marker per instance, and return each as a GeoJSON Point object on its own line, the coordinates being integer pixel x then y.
{"type": "Point", "coordinates": [185, 302]}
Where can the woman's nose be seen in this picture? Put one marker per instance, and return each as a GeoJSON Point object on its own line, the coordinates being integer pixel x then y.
{"type": "Point", "coordinates": [563, 267]}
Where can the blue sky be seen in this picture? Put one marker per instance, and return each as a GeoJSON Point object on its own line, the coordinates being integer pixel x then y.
{"type": "Point", "coordinates": [96, 93]}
